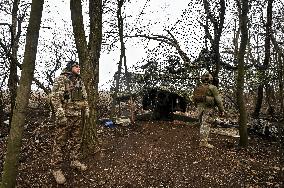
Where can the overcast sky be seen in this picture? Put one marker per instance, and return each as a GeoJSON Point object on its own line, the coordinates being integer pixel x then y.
{"type": "Point", "coordinates": [56, 25]}
{"type": "Point", "coordinates": [161, 14]}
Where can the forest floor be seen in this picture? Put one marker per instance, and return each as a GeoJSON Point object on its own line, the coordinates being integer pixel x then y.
{"type": "Point", "coordinates": [150, 154]}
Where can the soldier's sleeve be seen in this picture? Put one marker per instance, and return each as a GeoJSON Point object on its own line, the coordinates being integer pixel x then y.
{"type": "Point", "coordinates": [217, 97]}
{"type": "Point", "coordinates": [57, 92]}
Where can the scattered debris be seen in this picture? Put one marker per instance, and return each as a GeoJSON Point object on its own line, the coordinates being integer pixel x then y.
{"type": "Point", "coordinates": [124, 121]}
{"type": "Point", "coordinates": [107, 123]}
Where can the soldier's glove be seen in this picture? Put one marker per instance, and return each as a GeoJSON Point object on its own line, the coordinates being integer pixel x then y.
{"type": "Point", "coordinates": [60, 116]}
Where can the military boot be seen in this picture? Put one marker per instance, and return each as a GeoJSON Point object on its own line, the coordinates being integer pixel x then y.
{"type": "Point", "coordinates": [204, 143]}
{"type": "Point", "coordinates": [77, 164]}
{"type": "Point", "coordinates": [59, 177]}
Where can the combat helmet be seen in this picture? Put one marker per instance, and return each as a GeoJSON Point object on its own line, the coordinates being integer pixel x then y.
{"type": "Point", "coordinates": [71, 64]}
{"type": "Point", "coordinates": [207, 78]}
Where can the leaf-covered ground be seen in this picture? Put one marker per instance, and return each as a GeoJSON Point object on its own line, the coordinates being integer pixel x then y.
{"type": "Point", "coordinates": [151, 154]}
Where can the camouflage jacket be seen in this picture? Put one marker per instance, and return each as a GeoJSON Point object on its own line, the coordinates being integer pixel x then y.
{"type": "Point", "coordinates": [68, 93]}
{"type": "Point", "coordinates": [212, 98]}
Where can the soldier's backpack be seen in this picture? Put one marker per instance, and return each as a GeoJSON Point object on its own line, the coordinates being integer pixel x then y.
{"type": "Point", "coordinates": [199, 93]}
{"type": "Point", "coordinates": [202, 94]}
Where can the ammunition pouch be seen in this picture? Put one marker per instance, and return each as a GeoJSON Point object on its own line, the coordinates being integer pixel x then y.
{"type": "Point", "coordinates": [199, 93]}
{"type": "Point", "coordinates": [200, 99]}
{"type": "Point", "coordinates": [77, 94]}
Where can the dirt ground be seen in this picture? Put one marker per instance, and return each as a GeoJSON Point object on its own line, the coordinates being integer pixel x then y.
{"type": "Point", "coordinates": [151, 154]}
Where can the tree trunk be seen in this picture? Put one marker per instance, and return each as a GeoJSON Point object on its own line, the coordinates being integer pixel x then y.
{"type": "Point", "coordinates": [241, 72]}
{"type": "Point", "coordinates": [13, 76]}
{"type": "Point", "coordinates": [266, 59]}
{"type": "Point", "coordinates": [122, 57]}
{"type": "Point", "coordinates": [280, 57]}
{"type": "Point", "coordinates": [95, 42]}
{"type": "Point", "coordinates": [270, 98]}
{"type": "Point", "coordinates": [236, 40]}
{"type": "Point", "coordinates": [258, 103]}
{"type": "Point", "coordinates": [89, 61]}
{"type": "Point", "coordinates": [2, 116]}
{"type": "Point", "coordinates": [23, 94]}
{"type": "Point", "coordinates": [280, 77]}
{"type": "Point", "coordinates": [218, 28]}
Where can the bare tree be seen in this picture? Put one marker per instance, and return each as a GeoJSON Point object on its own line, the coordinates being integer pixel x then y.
{"type": "Point", "coordinates": [218, 24]}
{"type": "Point", "coordinates": [122, 57]}
{"type": "Point", "coordinates": [11, 51]}
{"type": "Point", "coordinates": [13, 77]}
{"type": "Point", "coordinates": [280, 54]}
{"type": "Point", "coordinates": [23, 95]}
{"type": "Point", "coordinates": [171, 41]}
{"type": "Point", "coordinates": [89, 54]}
{"type": "Point", "coordinates": [266, 60]}
{"type": "Point", "coordinates": [241, 73]}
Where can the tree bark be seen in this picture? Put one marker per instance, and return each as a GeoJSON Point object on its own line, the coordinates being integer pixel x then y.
{"type": "Point", "coordinates": [117, 76]}
{"type": "Point", "coordinates": [89, 55]}
{"type": "Point", "coordinates": [13, 76]}
{"type": "Point", "coordinates": [2, 117]}
{"type": "Point", "coordinates": [280, 57]}
{"type": "Point", "coordinates": [280, 77]}
{"type": "Point", "coordinates": [270, 98]}
{"type": "Point", "coordinates": [122, 59]}
{"type": "Point", "coordinates": [266, 60]}
{"type": "Point", "coordinates": [218, 28]}
{"type": "Point", "coordinates": [23, 94]}
{"type": "Point", "coordinates": [240, 77]}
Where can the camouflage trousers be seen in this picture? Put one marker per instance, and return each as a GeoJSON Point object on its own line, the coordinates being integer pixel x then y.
{"type": "Point", "coordinates": [67, 139]}
{"type": "Point", "coordinates": [206, 118]}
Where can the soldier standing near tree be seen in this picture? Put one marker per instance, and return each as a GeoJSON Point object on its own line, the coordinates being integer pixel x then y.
{"type": "Point", "coordinates": [207, 98]}
{"type": "Point", "coordinates": [68, 97]}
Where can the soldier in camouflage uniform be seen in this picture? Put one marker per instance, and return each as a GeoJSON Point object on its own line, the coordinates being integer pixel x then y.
{"type": "Point", "coordinates": [207, 98]}
{"type": "Point", "coordinates": [68, 98]}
